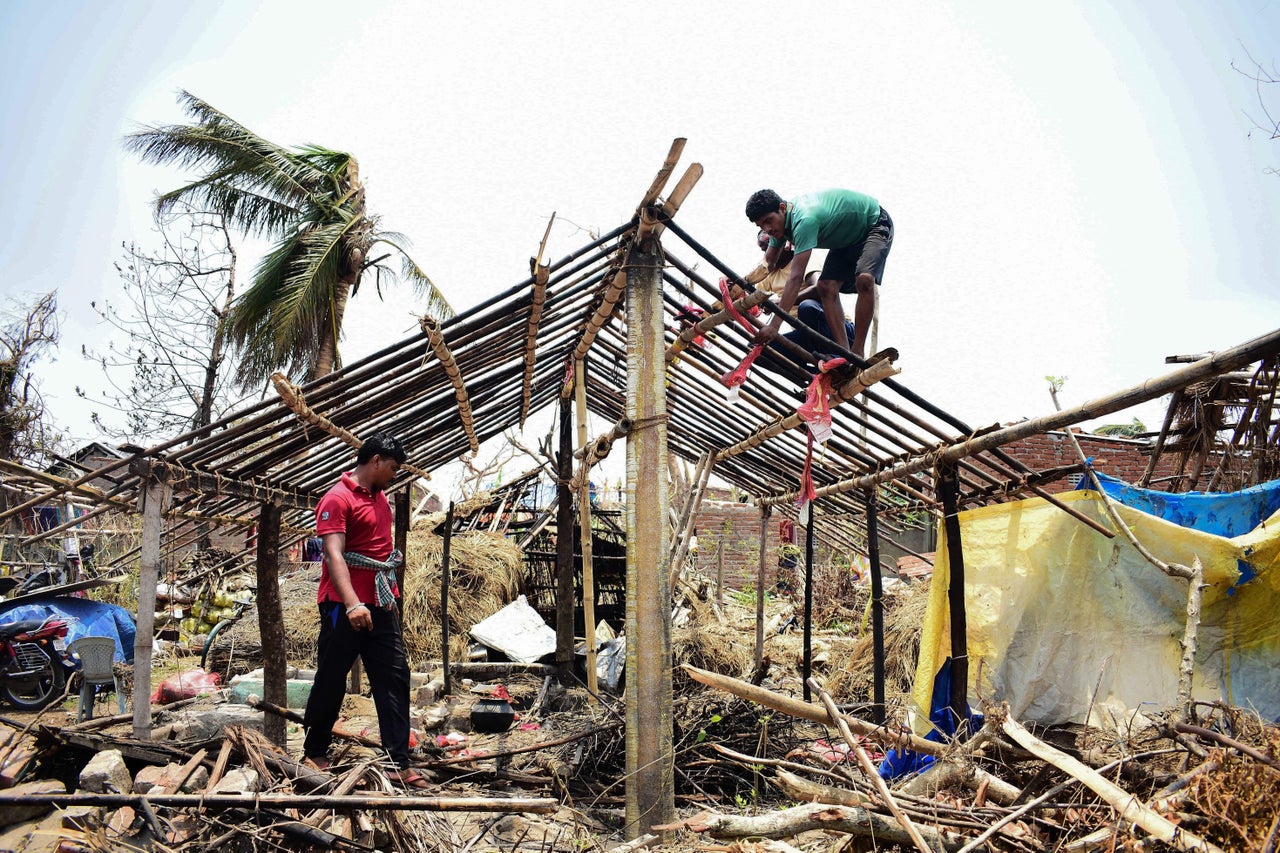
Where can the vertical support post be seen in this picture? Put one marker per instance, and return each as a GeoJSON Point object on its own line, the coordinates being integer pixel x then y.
{"type": "Point", "coordinates": [806, 666]}
{"type": "Point", "coordinates": [446, 576]}
{"type": "Point", "coordinates": [689, 517]}
{"type": "Point", "coordinates": [765, 510]}
{"type": "Point", "coordinates": [877, 606]}
{"type": "Point", "coordinates": [720, 570]}
{"type": "Point", "coordinates": [275, 688]}
{"type": "Point", "coordinates": [650, 786]}
{"type": "Point", "coordinates": [153, 502]}
{"type": "Point", "coordinates": [564, 545]}
{"type": "Point", "coordinates": [949, 487]}
{"type": "Point", "coordinates": [402, 510]}
{"type": "Point", "coordinates": [584, 527]}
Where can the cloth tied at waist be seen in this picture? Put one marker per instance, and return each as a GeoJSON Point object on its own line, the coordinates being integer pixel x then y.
{"type": "Point", "coordinates": [384, 578]}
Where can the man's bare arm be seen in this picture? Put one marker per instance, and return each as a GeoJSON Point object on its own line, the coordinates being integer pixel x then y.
{"type": "Point", "coordinates": [790, 294]}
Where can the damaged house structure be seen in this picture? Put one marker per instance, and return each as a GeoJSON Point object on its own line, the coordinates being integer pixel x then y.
{"type": "Point", "coordinates": [1080, 607]}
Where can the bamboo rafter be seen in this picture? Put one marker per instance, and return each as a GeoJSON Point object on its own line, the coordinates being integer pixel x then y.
{"type": "Point", "coordinates": [859, 383]}
{"type": "Point", "coordinates": [431, 326]}
{"type": "Point", "coordinates": [291, 396]}
{"type": "Point", "coordinates": [541, 273]}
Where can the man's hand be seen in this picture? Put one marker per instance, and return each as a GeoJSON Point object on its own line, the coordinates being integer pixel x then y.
{"type": "Point", "coordinates": [766, 335]}
{"type": "Point", "coordinates": [360, 617]}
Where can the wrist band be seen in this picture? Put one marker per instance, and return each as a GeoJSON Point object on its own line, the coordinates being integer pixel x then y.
{"type": "Point", "coordinates": [357, 607]}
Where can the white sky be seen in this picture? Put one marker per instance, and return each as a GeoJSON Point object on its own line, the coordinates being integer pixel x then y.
{"type": "Point", "coordinates": [1073, 185]}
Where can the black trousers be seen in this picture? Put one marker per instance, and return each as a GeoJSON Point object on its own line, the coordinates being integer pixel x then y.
{"type": "Point", "coordinates": [382, 651]}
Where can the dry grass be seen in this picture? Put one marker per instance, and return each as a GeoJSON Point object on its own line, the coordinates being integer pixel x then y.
{"type": "Point", "coordinates": [485, 571]}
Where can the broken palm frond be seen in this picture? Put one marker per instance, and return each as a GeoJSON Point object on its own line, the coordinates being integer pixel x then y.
{"type": "Point", "coordinates": [291, 396]}
{"type": "Point", "coordinates": [431, 326]}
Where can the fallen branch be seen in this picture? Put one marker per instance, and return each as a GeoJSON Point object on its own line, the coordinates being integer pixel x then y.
{"type": "Point", "coordinates": [1121, 801]}
{"type": "Point", "coordinates": [537, 805]}
{"type": "Point", "coordinates": [869, 769]}
{"type": "Point", "coordinates": [793, 821]}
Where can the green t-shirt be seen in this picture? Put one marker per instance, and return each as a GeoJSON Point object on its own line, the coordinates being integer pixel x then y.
{"type": "Point", "coordinates": [829, 219]}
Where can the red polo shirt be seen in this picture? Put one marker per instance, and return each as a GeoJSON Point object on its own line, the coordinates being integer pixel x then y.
{"type": "Point", "coordinates": [352, 509]}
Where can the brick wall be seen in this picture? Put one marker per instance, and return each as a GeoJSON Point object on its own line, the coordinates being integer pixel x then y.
{"type": "Point", "coordinates": [1118, 457]}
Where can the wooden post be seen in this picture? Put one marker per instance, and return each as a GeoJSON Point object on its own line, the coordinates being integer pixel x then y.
{"type": "Point", "coordinates": [564, 545]}
{"type": "Point", "coordinates": [650, 787]}
{"type": "Point", "coordinates": [877, 606]}
{"type": "Point", "coordinates": [153, 502]}
{"type": "Point", "coordinates": [720, 570]}
{"type": "Point", "coordinates": [765, 510]}
{"type": "Point", "coordinates": [806, 666]}
{"type": "Point", "coordinates": [689, 521]}
{"type": "Point", "coordinates": [402, 509]}
{"type": "Point", "coordinates": [584, 526]}
{"type": "Point", "coordinates": [445, 577]}
{"type": "Point", "coordinates": [949, 489]}
{"type": "Point", "coordinates": [275, 688]}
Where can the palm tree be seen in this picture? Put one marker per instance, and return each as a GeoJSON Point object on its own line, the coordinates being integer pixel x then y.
{"type": "Point", "coordinates": [311, 201]}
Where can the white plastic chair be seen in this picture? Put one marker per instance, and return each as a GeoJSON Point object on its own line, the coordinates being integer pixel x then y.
{"type": "Point", "coordinates": [97, 654]}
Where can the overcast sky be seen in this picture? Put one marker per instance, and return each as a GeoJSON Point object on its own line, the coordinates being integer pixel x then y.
{"type": "Point", "coordinates": [1074, 185]}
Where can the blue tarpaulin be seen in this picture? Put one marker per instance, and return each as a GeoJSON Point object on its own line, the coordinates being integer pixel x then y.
{"type": "Point", "coordinates": [1227, 514]}
{"type": "Point", "coordinates": [85, 618]}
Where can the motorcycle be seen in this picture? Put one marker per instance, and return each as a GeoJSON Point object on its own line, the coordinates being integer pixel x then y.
{"type": "Point", "coordinates": [34, 665]}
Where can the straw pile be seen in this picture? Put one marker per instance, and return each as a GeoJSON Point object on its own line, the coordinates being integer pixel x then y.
{"type": "Point", "coordinates": [485, 570]}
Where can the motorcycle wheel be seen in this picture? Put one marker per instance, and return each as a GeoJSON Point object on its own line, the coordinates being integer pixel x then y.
{"type": "Point", "coordinates": [37, 691]}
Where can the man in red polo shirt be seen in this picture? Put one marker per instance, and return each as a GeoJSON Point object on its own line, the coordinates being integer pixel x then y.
{"type": "Point", "coordinates": [359, 608]}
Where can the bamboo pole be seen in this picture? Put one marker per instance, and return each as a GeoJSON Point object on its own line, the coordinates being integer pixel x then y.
{"type": "Point", "coordinates": [806, 665]}
{"type": "Point", "coordinates": [445, 581]}
{"type": "Point", "coordinates": [271, 620]}
{"type": "Point", "coordinates": [691, 520]}
{"type": "Point", "coordinates": [564, 545]}
{"type": "Point", "coordinates": [1229, 359]}
{"type": "Point", "coordinates": [958, 701]}
{"type": "Point", "coordinates": [584, 523]}
{"type": "Point", "coordinates": [593, 451]}
{"type": "Point", "coordinates": [846, 391]}
{"type": "Point", "coordinates": [616, 285]}
{"type": "Point", "coordinates": [877, 606]}
{"type": "Point", "coordinates": [152, 501]}
{"type": "Point", "coordinates": [650, 787]}
{"type": "Point", "coordinates": [540, 272]}
{"type": "Point", "coordinates": [765, 512]}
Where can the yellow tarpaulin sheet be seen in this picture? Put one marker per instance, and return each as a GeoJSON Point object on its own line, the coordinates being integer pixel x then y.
{"type": "Point", "coordinates": [1067, 625]}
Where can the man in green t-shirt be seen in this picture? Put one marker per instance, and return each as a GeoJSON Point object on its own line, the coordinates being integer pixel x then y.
{"type": "Point", "coordinates": [856, 231]}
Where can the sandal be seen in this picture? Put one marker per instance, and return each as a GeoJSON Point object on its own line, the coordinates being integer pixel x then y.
{"type": "Point", "coordinates": [411, 778]}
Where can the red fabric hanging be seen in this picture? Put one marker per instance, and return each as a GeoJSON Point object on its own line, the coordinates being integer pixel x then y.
{"type": "Point", "coordinates": [738, 376]}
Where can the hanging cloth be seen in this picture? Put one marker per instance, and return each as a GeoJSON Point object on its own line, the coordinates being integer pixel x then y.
{"type": "Point", "coordinates": [738, 376]}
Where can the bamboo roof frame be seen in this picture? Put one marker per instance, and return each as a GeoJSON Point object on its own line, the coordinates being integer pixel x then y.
{"type": "Point", "coordinates": [515, 350]}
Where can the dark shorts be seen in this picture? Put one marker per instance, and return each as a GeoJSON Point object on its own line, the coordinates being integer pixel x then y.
{"type": "Point", "coordinates": [846, 263]}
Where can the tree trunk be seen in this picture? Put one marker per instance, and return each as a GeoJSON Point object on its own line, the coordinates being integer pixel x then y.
{"type": "Point", "coordinates": [327, 357]}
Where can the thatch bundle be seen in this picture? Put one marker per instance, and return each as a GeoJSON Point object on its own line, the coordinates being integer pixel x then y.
{"type": "Point", "coordinates": [485, 576]}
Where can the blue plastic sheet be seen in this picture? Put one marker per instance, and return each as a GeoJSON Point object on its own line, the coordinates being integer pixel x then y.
{"type": "Point", "coordinates": [1226, 514]}
{"type": "Point", "coordinates": [85, 618]}
{"type": "Point", "coordinates": [901, 762]}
